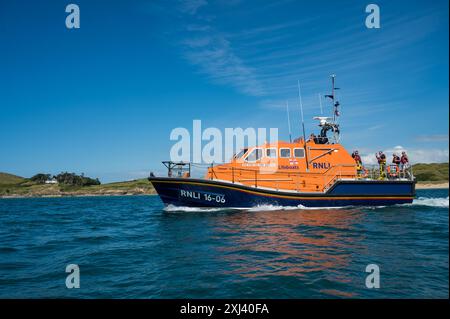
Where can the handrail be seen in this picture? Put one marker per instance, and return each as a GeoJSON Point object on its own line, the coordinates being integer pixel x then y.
{"type": "Point", "coordinates": [299, 181]}
{"type": "Point", "coordinates": [336, 176]}
{"type": "Point", "coordinates": [243, 174]}
{"type": "Point", "coordinates": [218, 167]}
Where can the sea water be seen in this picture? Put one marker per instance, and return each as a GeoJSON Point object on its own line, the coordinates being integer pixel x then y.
{"type": "Point", "coordinates": [131, 247]}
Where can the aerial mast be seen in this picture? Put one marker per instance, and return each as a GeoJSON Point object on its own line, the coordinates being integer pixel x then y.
{"type": "Point", "coordinates": [333, 76]}
{"type": "Point", "coordinates": [320, 103]}
{"type": "Point", "coordinates": [333, 98]}
{"type": "Point", "coordinates": [329, 123]}
{"type": "Point", "coordinates": [303, 124]}
{"type": "Point", "coordinates": [289, 121]}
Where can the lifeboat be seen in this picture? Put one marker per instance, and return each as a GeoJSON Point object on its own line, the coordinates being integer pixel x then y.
{"type": "Point", "coordinates": [313, 172]}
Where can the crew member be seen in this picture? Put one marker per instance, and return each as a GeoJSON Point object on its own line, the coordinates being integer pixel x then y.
{"type": "Point", "coordinates": [396, 159]}
{"type": "Point", "coordinates": [358, 162]}
{"type": "Point", "coordinates": [393, 170]}
{"type": "Point", "coordinates": [382, 162]}
{"type": "Point", "coordinates": [404, 163]}
{"type": "Point", "coordinates": [357, 158]}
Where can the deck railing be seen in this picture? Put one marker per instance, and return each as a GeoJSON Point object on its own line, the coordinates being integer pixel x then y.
{"type": "Point", "coordinates": [312, 181]}
{"type": "Point", "coordinates": [300, 181]}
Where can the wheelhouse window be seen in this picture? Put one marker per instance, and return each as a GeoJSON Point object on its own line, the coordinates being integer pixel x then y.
{"type": "Point", "coordinates": [241, 153]}
{"type": "Point", "coordinates": [285, 152]}
{"type": "Point", "coordinates": [271, 152]}
{"type": "Point", "coordinates": [299, 152]}
{"type": "Point", "coordinates": [254, 155]}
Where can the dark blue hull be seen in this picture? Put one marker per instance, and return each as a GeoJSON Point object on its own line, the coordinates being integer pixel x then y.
{"type": "Point", "coordinates": [205, 193]}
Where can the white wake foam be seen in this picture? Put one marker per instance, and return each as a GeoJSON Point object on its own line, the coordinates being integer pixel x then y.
{"type": "Point", "coordinates": [421, 201]}
{"type": "Point", "coordinates": [274, 207]}
{"type": "Point", "coordinates": [258, 208]}
{"type": "Point", "coordinates": [172, 208]}
{"type": "Point", "coordinates": [432, 202]}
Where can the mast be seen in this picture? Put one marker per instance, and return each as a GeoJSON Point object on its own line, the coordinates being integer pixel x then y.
{"type": "Point", "coordinates": [333, 76]}
{"type": "Point", "coordinates": [324, 121]}
{"type": "Point", "coordinates": [320, 103]}
{"type": "Point", "coordinates": [289, 121]}
{"type": "Point", "coordinates": [303, 124]}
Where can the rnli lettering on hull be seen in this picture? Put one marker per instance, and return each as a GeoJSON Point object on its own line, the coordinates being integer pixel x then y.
{"type": "Point", "coordinates": [321, 165]}
{"type": "Point", "coordinates": [190, 194]}
{"type": "Point", "coordinates": [203, 196]}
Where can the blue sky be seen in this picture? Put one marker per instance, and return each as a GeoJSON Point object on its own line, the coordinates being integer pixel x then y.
{"type": "Point", "coordinates": [104, 98]}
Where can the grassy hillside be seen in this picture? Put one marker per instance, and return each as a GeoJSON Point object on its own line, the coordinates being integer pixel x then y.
{"type": "Point", "coordinates": [27, 188]}
{"type": "Point", "coordinates": [431, 172]}
{"type": "Point", "coordinates": [6, 178]}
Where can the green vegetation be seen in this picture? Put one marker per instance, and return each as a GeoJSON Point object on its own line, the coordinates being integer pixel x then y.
{"type": "Point", "coordinates": [40, 178]}
{"type": "Point", "coordinates": [66, 179]}
{"type": "Point", "coordinates": [74, 179]}
{"type": "Point", "coordinates": [69, 185]}
{"type": "Point", "coordinates": [436, 172]}
{"type": "Point", "coordinates": [6, 178]}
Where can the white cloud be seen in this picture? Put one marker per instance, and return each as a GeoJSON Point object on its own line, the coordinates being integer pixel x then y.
{"type": "Point", "coordinates": [432, 138]}
{"type": "Point", "coordinates": [415, 155]}
{"type": "Point", "coordinates": [191, 6]}
{"type": "Point", "coordinates": [214, 56]}
{"type": "Point", "coordinates": [197, 42]}
{"type": "Point", "coordinates": [268, 59]}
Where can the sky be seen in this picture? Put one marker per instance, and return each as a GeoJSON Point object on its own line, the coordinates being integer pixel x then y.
{"type": "Point", "coordinates": [103, 99]}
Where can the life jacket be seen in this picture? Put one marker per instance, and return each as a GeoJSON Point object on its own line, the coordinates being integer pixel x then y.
{"type": "Point", "coordinates": [393, 170]}
{"type": "Point", "coordinates": [365, 172]}
{"type": "Point", "coordinates": [362, 172]}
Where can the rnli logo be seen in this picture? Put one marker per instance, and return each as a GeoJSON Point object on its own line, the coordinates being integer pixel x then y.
{"type": "Point", "coordinates": [321, 165]}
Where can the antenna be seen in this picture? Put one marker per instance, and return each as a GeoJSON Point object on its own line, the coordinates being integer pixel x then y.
{"type": "Point", "coordinates": [332, 96]}
{"type": "Point", "coordinates": [335, 104]}
{"type": "Point", "coordinates": [301, 108]}
{"type": "Point", "coordinates": [320, 103]}
{"type": "Point", "coordinates": [303, 123]}
{"type": "Point", "coordinates": [289, 121]}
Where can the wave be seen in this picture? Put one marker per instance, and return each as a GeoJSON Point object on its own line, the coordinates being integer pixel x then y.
{"type": "Point", "coordinates": [299, 207]}
{"type": "Point", "coordinates": [432, 202]}
{"type": "Point", "coordinates": [173, 208]}
{"type": "Point", "coordinates": [258, 208]}
{"type": "Point", "coordinates": [270, 208]}
{"type": "Point", "coordinates": [421, 201]}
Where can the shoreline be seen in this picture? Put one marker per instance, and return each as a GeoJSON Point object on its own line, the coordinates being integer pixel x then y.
{"type": "Point", "coordinates": [70, 195]}
{"type": "Point", "coordinates": [419, 185]}
{"type": "Point", "coordinates": [430, 185]}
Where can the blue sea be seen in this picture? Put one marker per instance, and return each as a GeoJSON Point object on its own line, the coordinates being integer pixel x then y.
{"type": "Point", "coordinates": [131, 247]}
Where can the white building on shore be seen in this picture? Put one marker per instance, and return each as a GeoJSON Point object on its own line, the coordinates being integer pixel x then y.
{"type": "Point", "coordinates": [51, 181]}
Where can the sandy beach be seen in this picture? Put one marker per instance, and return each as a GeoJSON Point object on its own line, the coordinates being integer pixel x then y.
{"type": "Point", "coordinates": [431, 185]}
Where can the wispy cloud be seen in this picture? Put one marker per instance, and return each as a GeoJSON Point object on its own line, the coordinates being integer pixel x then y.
{"type": "Point", "coordinates": [432, 138]}
{"type": "Point", "coordinates": [266, 59]}
{"type": "Point", "coordinates": [212, 52]}
{"type": "Point", "coordinates": [215, 58]}
{"type": "Point", "coordinates": [191, 6]}
{"type": "Point", "coordinates": [415, 155]}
